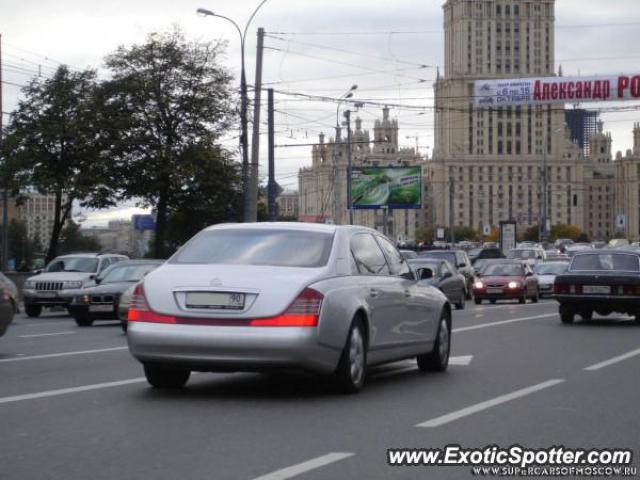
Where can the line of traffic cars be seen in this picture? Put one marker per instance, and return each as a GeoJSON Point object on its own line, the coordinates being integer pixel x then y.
{"type": "Point", "coordinates": [324, 299]}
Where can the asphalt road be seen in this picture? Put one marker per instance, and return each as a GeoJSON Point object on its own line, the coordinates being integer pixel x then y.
{"type": "Point", "coordinates": [74, 404]}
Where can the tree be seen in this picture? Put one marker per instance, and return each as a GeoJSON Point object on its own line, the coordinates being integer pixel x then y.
{"type": "Point", "coordinates": [213, 196]}
{"type": "Point", "coordinates": [532, 234]}
{"type": "Point", "coordinates": [565, 231]}
{"type": "Point", "coordinates": [73, 241]}
{"type": "Point", "coordinates": [167, 99]}
{"type": "Point", "coordinates": [52, 146]}
{"type": "Point", "coordinates": [21, 247]}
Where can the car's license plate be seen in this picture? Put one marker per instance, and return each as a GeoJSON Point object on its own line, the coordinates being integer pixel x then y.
{"type": "Point", "coordinates": [495, 291]}
{"type": "Point", "coordinates": [101, 308]}
{"type": "Point", "coordinates": [216, 300]}
{"type": "Point", "coordinates": [596, 289]}
{"type": "Point", "coordinates": [47, 294]}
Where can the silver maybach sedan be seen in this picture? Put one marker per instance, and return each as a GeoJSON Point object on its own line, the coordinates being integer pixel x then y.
{"type": "Point", "coordinates": [257, 297]}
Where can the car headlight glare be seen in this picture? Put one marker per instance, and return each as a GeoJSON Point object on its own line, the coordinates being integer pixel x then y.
{"type": "Point", "coordinates": [514, 285]}
{"type": "Point", "coordinates": [479, 285]}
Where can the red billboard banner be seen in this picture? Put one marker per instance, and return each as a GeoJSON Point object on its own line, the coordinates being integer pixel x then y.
{"type": "Point", "coordinates": [546, 90]}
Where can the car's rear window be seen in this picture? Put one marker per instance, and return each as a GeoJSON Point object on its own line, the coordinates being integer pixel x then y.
{"type": "Point", "coordinates": [450, 257]}
{"type": "Point", "coordinates": [605, 262]}
{"type": "Point", "coordinates": [260, 247]}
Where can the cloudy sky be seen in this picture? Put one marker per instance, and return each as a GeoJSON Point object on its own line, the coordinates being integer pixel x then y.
{"type": "Point", "coordinates": [320, 47]}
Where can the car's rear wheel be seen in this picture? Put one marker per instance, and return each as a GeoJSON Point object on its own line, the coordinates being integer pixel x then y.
{"type": "Point", "coordinates": [463, 300]}
{"type": "Point", "coordinates": [32, 311]}
{"type": "Point", "coordinates": [82, 317]}
{"type": "Point", "coordinates": [437, 360]}
{"type": "Point", "coordinates": [567, 315]}
{"type": "Point", "coordinates": [587, 315]}
{"type": "Point", "coordinates": [352, 368]}
{"type": "Point", "coordinates": [159, 376]}
{"type": "Point", "coordinates": [536, 297]}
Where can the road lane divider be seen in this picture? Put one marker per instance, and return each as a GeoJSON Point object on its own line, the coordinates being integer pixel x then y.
{"type": "Point", "coordinates": [479, 407]}
{"type": "Point", "coordinates": [503, 322]}
{"type": "Point", "coordinates": [67, 391]}
{"type": "Point", "coordinates": [300, 468]}
{"type": "Point", "coordinates": [62, 354]}
{"type": "Point", "coordinates": [46, 334]}
{"type": "Point", "coordinates": [613, 361]}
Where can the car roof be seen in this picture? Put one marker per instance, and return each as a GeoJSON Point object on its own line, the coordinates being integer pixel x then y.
{"type": "Point", "coordinates": [150, 261]}
{"type": "Point", "coordinates": [299, 226]}
{"type": "Point", "coordinates": [600, 251]}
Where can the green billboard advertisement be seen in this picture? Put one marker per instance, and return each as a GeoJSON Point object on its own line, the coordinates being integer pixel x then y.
{"type": "Point", "coordinates": [394, 188]}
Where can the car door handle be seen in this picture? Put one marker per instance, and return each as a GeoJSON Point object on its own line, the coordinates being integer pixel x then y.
{"type": "Point", "coordinates": [374, 293]}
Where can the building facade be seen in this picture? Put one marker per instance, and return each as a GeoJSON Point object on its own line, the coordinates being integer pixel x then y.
{"type": "Point", "coordinates": [627, 190]}
{"type": "Point", "coordinates": [287, 203]}
{"type": "Point", "coordinates": [37, 212]}
{"type": "Point", "coordinates": [322, 193]}
{"type": "Point", "coordinates": [489, 165]}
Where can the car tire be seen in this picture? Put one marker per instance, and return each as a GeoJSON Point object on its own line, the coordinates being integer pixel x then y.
{"type": "Point", "coordinates": [166, 378]}
{"type": "Point", "coordinates": [32, 311]}
{"type": "Point", "coordinates": [522, 300]}
{"type": "Point", "coordinates": [586, 316]}
{"type": "Point", "coordinates": [437, 360]}
{"type": "Point", "coordinates": [478, 301]}
{"type": "Point", "coordinates": [536, 297]}
{"type": "Point", "coordinates": [352, 367]}
{"type": "Point", "coordinates": [462, 303]}
{"type": "Point", "coordinates": [81, 316]}
{"type": "Point", "coordinates": [567, 315]}
{"type": "Point", "coordinates": [493, 302]}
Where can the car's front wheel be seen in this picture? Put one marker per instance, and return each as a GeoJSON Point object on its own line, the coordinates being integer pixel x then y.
{"type": "Point", "coordinates": [437, 360]}
{"type": "Point", "coordinates": [32, 311]}
{"type": "Point", "coordinates": [352, 368]}
{"type": "Point", "coordinates": [567, 315]}
{"type": "Point", "coordinates": [478, 301]}
{"type": "Point", "coordinates": [82, 317]}
{"type": "Point", "coordinates": [166, 378]}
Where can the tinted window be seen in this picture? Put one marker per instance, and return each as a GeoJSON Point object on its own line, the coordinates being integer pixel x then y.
{"type": "Point", "coordinates": [550, 268]}
{"type": "Point", "coordinates": [605, 262]}
{"type": "Point", "coordinates": [448, 256]}
{"type": "Point", "coordinates": [261, 247]}
{"type": "Point", "coordinates": [368, 255]}
{"type": "Point", "coordinates": [397, 265]}
{"type": "Point", "coordinates": [504, 270]}
{"type": "Point", "coordinates": [73, 264]}
{"type": "Point", "coordinates": [127, 273]}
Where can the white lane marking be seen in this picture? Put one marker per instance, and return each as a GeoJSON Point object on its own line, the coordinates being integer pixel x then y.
{"type": "Point", "coordinates": [46, 334]}
{"type": "Point", "coordinates": [66, 391]}
{"type": "Point", "coordinates": [461, 361]}
{"type": "Point", "coordinates": [479, 407]}
{"type": "Point", "coordinates": [63, 354]}
{"type": "Point", "coordinates": [613, 361]}
{"type": "Point", "coordinates": [42, 324]}
{"type": "Point", "coordinates": [504, 322]}
{"type": "Point", "coordinates": [304, 467]}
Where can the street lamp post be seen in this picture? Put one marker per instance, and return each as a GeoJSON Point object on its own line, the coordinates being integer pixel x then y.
{"type": "Point", "coordinates": [347, 95]}
{"type": "Point", "coordinates": [244, 105]}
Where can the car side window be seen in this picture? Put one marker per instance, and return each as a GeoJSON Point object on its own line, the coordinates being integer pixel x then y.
{"type": "Point", "coordinates": [104, 263]}
{"type": "Point", "coordinates": [460, 262]}
{"type": "Point", "coordinates": [367, 254]}
{"type": "Point", "coordinates": [444, 268]}
{"type": "Point", "coordinates": [397, 265]}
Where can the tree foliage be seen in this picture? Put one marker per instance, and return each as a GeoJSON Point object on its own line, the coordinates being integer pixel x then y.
{"type": "Point", "coordinates": [73, 241]}
{"type": "Point", "coordinates": [166, 107]}
{"type": "Point", "coordinates": [565, 231]}
{"type": "Point", "coordinates": [52, 146]}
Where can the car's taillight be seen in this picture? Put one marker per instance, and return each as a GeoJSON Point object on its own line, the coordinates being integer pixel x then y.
{"type": "Point", "coordinates": [561, 289]}
{"type": "Point", "coordinates": [304, 311]}
{"type": "Point", "coordinates": [139, 310]}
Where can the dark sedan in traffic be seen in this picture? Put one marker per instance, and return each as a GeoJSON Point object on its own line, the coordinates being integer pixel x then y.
{"type": "Point", "coordinates": [600, 281]}
{"type": "Point", "coordinates": [461, 264]}
{"type": "Point", "coordinates": [441, 275]}
{"type": "Point", "coordinates": [101, 302]}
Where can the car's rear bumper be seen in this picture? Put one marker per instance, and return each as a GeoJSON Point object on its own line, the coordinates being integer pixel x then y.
{"type": "Point", "coordinates": [622, 304]}
{"type": "Point", "coordinates": [206, 348]}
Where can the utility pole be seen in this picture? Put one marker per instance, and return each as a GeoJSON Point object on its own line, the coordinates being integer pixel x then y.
{"type": "Point", "coordinates": [252, 196]}
{"type": "Point", "coordinates": [545, 208]}
{"type": "Point", "coordinates": [347, 115]}
{"type": "Point", "coordinates": [5, 194]}
{"type": "Point", "coordinates": [272, 150]}
{"type": "Point", "coordinates": [452, 232]}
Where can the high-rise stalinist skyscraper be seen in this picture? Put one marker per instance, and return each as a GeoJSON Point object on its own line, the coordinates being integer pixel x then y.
{"type": "Point", "coordinates": [490, 161]}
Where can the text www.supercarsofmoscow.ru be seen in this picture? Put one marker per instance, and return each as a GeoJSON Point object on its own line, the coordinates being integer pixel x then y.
{"type": "Point", "coordinates": [520, 461]}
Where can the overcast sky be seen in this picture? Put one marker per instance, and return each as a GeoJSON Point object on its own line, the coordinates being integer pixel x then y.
{"type": "Point", "coordinates": [320, 47]}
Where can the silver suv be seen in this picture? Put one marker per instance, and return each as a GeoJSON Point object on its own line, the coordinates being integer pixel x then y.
{"type": "Point", "coordinates": [51, 286]}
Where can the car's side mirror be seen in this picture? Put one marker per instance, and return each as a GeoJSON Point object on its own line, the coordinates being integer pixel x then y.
{"type": "Point", "coordinates": [529, 274]}
{"type": "Point", "coordinates": [98, 280]}
{"type": "Point", "coordinates": [38, 272]}
{"type": "Point", "coordinates": [425, 274]}
{"type": "Point", "coordinates": [462, 265]}
{"type": "Point", "coordinates": [93, 277]}
{"type": "Point", "coordinates": [447, 275]}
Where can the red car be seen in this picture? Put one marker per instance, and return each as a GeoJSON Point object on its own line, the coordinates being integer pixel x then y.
{"type": "Point", "coordinates": [506, 281]}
